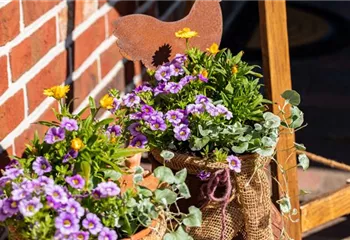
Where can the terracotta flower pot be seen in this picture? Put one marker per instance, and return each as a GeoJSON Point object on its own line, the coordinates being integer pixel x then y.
{"type": "Point", "coordinates": [143, 233]}
{"type": "Point", "coordinates": [134, 161]}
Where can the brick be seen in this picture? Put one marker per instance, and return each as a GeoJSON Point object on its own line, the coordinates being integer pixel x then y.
{"type": "Point", "coordinates": [11, 113]}
{"type": "Point", "coordinates": [109, 59]}
{"type": "Point", "coordinates": [88, 41]}
{"type": "Point", "coordinates": [3, 74]}
{"type": "Point", "coordinates": [84, 9]}
{"type": "Point", "coordinates": [32, 10]}
{"type": "Point", "coordinates": [31, 49]}
{"type": "Point", "coordinates": [101, 3]}
{"type": "Point", "coordinates": [112, 15]}
{"type": "Point", "coordinates": [85, 84]}
{"type": "Point", "coordinates": [28, 135]}
{"type": "Point", "coordinates": [53, 74]}
{"type": "Point", "coordinates": [9, 22]}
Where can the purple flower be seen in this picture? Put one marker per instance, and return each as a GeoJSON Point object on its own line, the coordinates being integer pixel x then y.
{"type": "Point", "coordinates": [108, 189]}
{"type": "Point", "coordinates": [158, 124]}
{"type": "Point", "coordinates": [139, 141]}
{"type": "Point", "coordinates": [4, 180]}
{"type": "Point", "coordinates": [224, 111]}
{"type": "Point", "coordinates": [12, 164]}
{"type": "Point", "coordinates": [81, 235]}
{"type": "Point", "coordinates": [92, 223]}
{"type": "Point", "coordinates": [178, 70]}
{"type": "Point", "coordinates": [203, 175]}
{"type": "Point", "coordinates": [185, 80]}
{"type": "Point", "coordinates": [72, 154]}
{"type": "Point", "coordinates": [202, 99]}
{"type": "Point", "coordinates": [212, 110]}
{"type": "Point", "coordinates": [116, 105]}
{"type": "Point", "coordinates": [57, 194]}
{"type": "Point", "coordinates": [115, 129]}
{"type": "Point", "coordinates": [76, 181]}
{"type": "Point", "coordinates": [131, 100]}
{"type": "Point", "coordinates": [202, 78]}
{"type": "Point", "coordinates": [234, 163]}
{"type": "Point", "coordinates": [174, 116]}
{"type": "Point", "coordinates": [179, 58]}
{"type": "Point", "coordinates": [74, 208]}
{"type": "Point", "coordinates": [67, 223]}
{"type": "Point", "coordinates": [41, 166]}
{"type": "Point", "coordinates": [143, 88]}
{"type": "Point", "coordinates": [135, 116]}
{"type": "Point", "coordinates": [159, 89]}
{"type": "Point", "coordinates": [173, 87]}
{"type": "Point", "coordinates": [19, 194]}
{"type": "Point", "coordinates": [3, 216]}
{"type": "Point", "coordinates": [31, 207]}
{"type": "Point", "coordinates": [45, 181]}
{"type": "Point", "coordinates": [10, 206]}
{"type": "Point", "coordinates": [146, 109]}
{"type": "Point", "coordinates": [182, 132]}
{"type": "Point", "coordinates": [96, 193]}
{"type": "Point", "coordinates": [54, 134]}
{"type": "Point", "coordinates": [60, 236]}
{"type": "Point", "coordinates": [164, 73]}
{"type": "Point", "coordinates": [134, 128]}
{"type": "Point", "coordinates": [107, 234]}
{"type": "Point", "coordinates": [13, 173]}
{"type": "Point", "coordinates": [69, 124]}
{"type": "Point", "coordinates": [195, 108]}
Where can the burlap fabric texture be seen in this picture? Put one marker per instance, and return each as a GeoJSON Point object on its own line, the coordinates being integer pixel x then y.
{"type": "Point", "coordinates": [249, 209]}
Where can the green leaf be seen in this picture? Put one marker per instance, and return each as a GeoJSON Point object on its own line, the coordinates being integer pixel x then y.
{"type": "Point", "coordinates": [268, 142]}
{"type": "Point", "coordinates": [194, 218]}
{"type": "Point", "coordinates": [86, 170]}
{"type": "Point", "coordinates": [297, 117]}
{"type": "Point", "coordinates": [164, 174]}
{"type": "Point", "coordinates": [113, 165]}
{"type": "Point", "coordinates": [265, 152]}
{"type": "Point", "coordinates": [137, 178]}
{"type": "Point", "coordinates": [183, 190]}
{"type": "Point", "coordinates": [180, 234]}
{"type": "Point", "coordinates": [167, 194]}
{"type": "Point", "coordinates": [271, 120]}
{"type": "Point", "coordinates": [300, 146]}
{"type": "Point", "coordinates": [128, 152]}
{"type": "Point", "coordinates": [291, 97]}
{"type": "Point", "coordinates": [144, 192]}
{"type": "Point", "coordinates": [104, 122]}
{"type": "Point", "coordinates": [304, 161]}
{"type": "Point", "coordinates": [180, 176]}
{"type": "Point", "coordinates": [167, 155]}
{"type": "Point", "coordinates": [199, 143]}
{"type": "Point", "coordinates": [229, 88]}
{"type": "Point", "coordinates": [285, 205]}
{"type": "Point", "coordinates": [303, 192]}
{"type": "Point", "coordinates": [241, 148]}
{"type": "Point", "coordinates": [203, 132]}
{"type": "Point", "coordinates": [111, 174]}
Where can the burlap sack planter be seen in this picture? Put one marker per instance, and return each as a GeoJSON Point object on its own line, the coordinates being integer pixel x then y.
{"type": "Point", "coordinates": [249, 209]}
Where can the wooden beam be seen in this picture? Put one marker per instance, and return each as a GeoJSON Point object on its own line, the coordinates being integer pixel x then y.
{"type": "Point", "coordinates": [276, 65]}
{"type": "Point", "coordinates": [326, 208]}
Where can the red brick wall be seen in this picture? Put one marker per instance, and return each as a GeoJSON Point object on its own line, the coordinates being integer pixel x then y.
{"type": "Point", "coordinates": [51, 42]}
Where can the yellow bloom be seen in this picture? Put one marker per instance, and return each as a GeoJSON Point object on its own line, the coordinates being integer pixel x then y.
{"type": "Point", "coordinates": [204, 73]}
{"type": "Point", "coordinates": [234, 69]}
{"type": "Point", "coordinates": [186, 33]}
{"type": "Point", "coordinates": [213, 49]}
{"type": "Point", "coordinates": [76, 144]}
{"type": "Point", "coordinates": [106, 101]}
{"type": "Point", "coordinates": [57, 92]}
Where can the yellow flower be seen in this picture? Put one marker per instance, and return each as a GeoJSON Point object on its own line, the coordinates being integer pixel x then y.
{"type": "Point", "coordinates": [76, 144]}
{"type": "Point", "coordinates": [204, 73]}
{"type": "Point", "coordinates": [106, 101]}
{"type": "Point", "coordinates": [57, 92]}
{"type": "Point", "coordinates": [213, 49]}
{"type": "Point", "coordinates": [186, 33]}
{"type": "Point", "coordinates": [234, 69]}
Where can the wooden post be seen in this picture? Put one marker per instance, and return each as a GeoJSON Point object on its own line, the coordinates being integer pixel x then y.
{"type": "Point", "coordinates": [276, 65]}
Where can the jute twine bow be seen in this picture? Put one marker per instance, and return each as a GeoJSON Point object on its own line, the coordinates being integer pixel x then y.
{"type": "Point", "coordinates": [220, 178]}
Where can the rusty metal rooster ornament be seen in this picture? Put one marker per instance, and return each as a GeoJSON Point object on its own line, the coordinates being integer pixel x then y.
{"type": "Point", "coordinates": [145, 38]}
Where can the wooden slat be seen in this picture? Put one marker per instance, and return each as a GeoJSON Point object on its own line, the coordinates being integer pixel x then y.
{"type": "Point", "coordinates": [276, 65]}
{"type": "Point", "coordinates": [326, 208]}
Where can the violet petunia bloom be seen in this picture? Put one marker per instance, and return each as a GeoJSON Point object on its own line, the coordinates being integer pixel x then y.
{"type": "Point", "coordinates": [135, 116]}
{"type": "Point", "coordinates": [115, 130]}
{"type": "Point", "coordinates": [131, 99]}
{"type": "Point", "coordinates": [160, 89]}
{"type": "Point", "coordinates": [224, 111]}
{"type": "Point", "coordinates": [107, 234]}
{"type": "Point", "coordinates": [164, 73]}
{"type": "Point", "coordinates": [178, 70]}
{"type": "Point", "coordinates": [13, 173]}
{"type": "Point", "coordinates": [81, 235]}
{"type": "Point", "coordinates": [202, 78]}
{"type": "Point", "coordinates": [4, 180]}
{"type": "Point", "coordinates": [202, 99]}
{"type": "Point", "coordinates": [139, 141]}
{"type": "Point", "coordinates": [57, 194]}
{"type": "Point", "coordinates": [185, 80]}
{"type": "Point", "coordinates": [73, 207]}
{"type": "Point", "coordinates": [92, 223]}
{"type": "Point", "coordinates": [69, 124]}
{"type": "Point", "coordinates": [76, 181]}
{"type": "Point", "coordinates": [173, 87]}
{"type": "Point", "coordinates": [143, 88]}
{"type": "Point", "coordinates": [179, 58]}
{"type": "Point", "coordinates": [19, 194]}
{"type": "Point", "coordinates": [45, 181]}
{"type": "Point", "coordinates": [212, 110]}
{"type": "Point", "coordinates": [10, 207]}
{"type": "Point", "coordinates": [3, 216]}
{"type": "Point", "coordinates": [174, 116]}
{"type": "Point", "coordinates": [116, 105]}
{"type": "Point", "coordinates": [31, 207]}
{"type": "Point", "coordinates": [203, 175]}
{"type": "Point", "coordinates": [67, 223]}
{"type": "Point", "coordinates": [182, 132]}
{"type": "Point", "coordinates": [41, 166]}
{"type": "Point", "coordinates": [195, 108]}
{"type": "Point", "coordinates": [234, 163]}
{"type": "Point", "coordinates": [146, 109]}
{"type": "Point", "coordinates": [54, 134]}
{"type": "Point", "coordinates": [158, 124]}
{"type": "Point", "coordinates": [108, 189]}
{"type": "Point", "coordinates": [12, 164]}
{"type": "Point", "coordinates": [72, 154]}
{"type": "Point", "coordinates": [135, 128]}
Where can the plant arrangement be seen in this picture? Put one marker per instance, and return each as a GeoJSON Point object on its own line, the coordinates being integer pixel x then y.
{"type": "Point", "coordinates": [71, 185]}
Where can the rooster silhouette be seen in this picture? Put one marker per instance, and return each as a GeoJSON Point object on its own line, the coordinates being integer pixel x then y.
{"type": "Point", "coordinates": [145, 38]}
